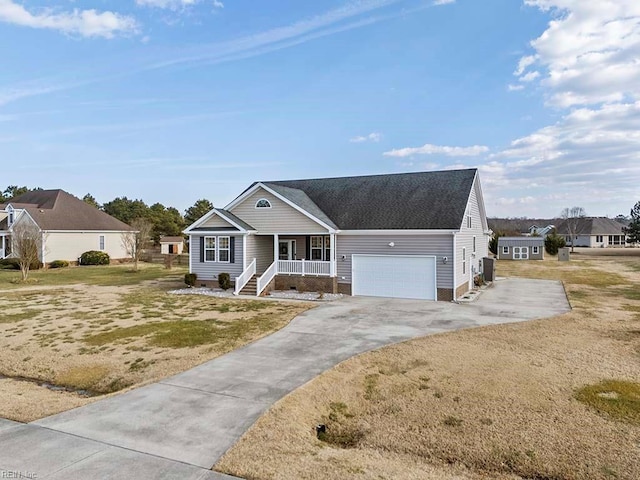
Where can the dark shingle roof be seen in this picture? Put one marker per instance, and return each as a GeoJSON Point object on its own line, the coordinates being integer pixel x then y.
{"type": "Point", "coordinates": [592, 226]}
{"type": "Point", "coordinates": [423, 200]}
{"type": "Point", "coordinates": [59, 210]}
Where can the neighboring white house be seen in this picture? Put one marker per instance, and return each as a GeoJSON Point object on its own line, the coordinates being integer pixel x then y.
{"type": "Point", "coordinates": [536, 231]}
{"type": "Point", "coordinates": [413, 235]}
{"type": "Point", "coordinates": [69, 226]}
{"type": "Point", "coordinates": [593, 232]}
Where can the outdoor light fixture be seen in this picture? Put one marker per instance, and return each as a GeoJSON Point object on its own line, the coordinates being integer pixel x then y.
{"type": "Point", "coordinates": [344, 257]}
{"type": "Point", "coordinates": [445, 260]}
{"type": "Point", "coordinates": [391, 244]}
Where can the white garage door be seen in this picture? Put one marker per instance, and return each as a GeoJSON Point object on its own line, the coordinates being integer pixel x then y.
{"type": "Point", "coordinates": [399, 276]}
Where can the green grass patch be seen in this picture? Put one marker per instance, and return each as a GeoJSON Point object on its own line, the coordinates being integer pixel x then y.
{"type": "Point", "coordinates": [19, 316]}
{"type": "Point", "coordinates": [616, 398]}
{"type": "Point", "coordinates": [105, 275]}
{"type": "Point", "coordinates": [185, 333]}
{"type": "Point", "coordinates": [631, 293]}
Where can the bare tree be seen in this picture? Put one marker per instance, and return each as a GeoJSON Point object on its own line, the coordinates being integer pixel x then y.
{"type": "Point", "coordinates": [135, 241]}
{"type": "Point", "coordinates": [572, 217]}
{"type": "Point", "coordinates": [26, 243]}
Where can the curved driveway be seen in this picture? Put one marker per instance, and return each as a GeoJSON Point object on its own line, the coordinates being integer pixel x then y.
{"type": "Point", "coordinates": [180, 427]}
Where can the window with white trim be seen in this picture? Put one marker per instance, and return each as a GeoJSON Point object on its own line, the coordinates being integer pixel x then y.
{"type": "Point", "coordinates": [327, 249]}
{"type": "Point", "coordinates": [505, 250]}
{"type": "Point", "coordinates": [101, 241]}
{"type": "Point", "coordinates": [469, 221]}
{"type": "Point", "coordinates": [209, 249]}
{"type": "Point", "coordinates": [599, 238]}
{"type": "Point", "coordinates": [263, 203]}
{"type": "Point", "coordinates": [536, 250]}
{"type": "Point", "coordinates": [224, 249]}
{"type": "Point", "coordinates": [464, 260]}
{"type": "Point", "coordinates": [474, 244]}
{"type": "Point", "coordinates": [316, 248]}
{"type": "Point", "coordinates": [11, 216]}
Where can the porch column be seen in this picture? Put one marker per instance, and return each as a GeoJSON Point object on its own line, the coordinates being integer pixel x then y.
{"type": "Point", "coordinates": [275, 250]}
{"type": "Point", "coordinates": [332, 251]}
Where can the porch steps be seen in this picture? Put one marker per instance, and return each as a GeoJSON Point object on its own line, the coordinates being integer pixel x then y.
{"type": "Point", "coordinates": [251, 288]}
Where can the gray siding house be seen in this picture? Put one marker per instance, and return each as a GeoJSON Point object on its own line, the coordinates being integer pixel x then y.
{"type": "Point", "coordinates": [593, 232]}
{"type": "Point", "coordinates": [413, 235]}
{"type": "Point", "coordinates": [520, 248]}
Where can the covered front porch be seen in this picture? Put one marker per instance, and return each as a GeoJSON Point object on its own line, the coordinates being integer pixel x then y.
{"type": "Point", "coordinates": [285, 261]}
{"type": "Point", "coordinates": [4, 245]}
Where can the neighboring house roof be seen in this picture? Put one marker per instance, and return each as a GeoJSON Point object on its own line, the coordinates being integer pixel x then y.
{"type": "Point", "coordinates": [171, 239]}
{"type": "Point", "coordinates": [592, 226]}
{"type": "Point", "coordinates": [423, 200]}
{"type": "Point", "coordinates": [59, 210]}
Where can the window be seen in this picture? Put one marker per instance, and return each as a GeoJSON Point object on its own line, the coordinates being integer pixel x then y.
{"type": "Point", "coordinates": [327, 249]}
{"type": "Point", "coordinates": [316, 248]}
{"type": "Point", "coordinates": [505, 250]}
{"type": "Point", "coordinates": [536, 250]}
{"type": "Point", "coordinates": [209, 249]}
{"type": "Point", "coordinates": [11, 216]}
{"type": "Point", "coordinates": [599, 238]}
{"type": "Point", "coordinates": [469, 222]}
{"type": "Point", "coordinates": [464, 260]}
{"type": "Point", "coordinates": [223, 249]}
{"type": "Point", "coordinates": [101, 242]}
{"type": "Point", "coordinates": [474, 244]}
{"type": "Point", "coordinates": [263, 203]}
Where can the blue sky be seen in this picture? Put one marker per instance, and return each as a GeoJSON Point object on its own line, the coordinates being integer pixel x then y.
{"type": "Point", "coordinates": [174, 100]}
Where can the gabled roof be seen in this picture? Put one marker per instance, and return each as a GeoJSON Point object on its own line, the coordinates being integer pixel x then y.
{"type": "Point", "coordinates": [59, 210]}
{"type": "Point", "coordinates": [403, 201]}
{"type": "Point", "coordinates": [238, 221]}
{"type": "Point", "coordinates": [592, 226]}
{"type": "Point", "coordinates": [237, 224]}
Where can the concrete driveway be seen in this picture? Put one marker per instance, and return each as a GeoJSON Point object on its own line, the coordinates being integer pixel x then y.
{"type": "Point", "coordinates": [180, 427]}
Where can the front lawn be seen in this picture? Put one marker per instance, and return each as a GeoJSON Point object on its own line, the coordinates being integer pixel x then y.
{"type": "Point", "coordinates": [555, 398]}
{"type": "Point", "coordinates": [103, 329]}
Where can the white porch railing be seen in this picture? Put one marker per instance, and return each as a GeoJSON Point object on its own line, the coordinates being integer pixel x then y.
{"type": "Point", "coordinates": [304, 267]}
{"type": "Point", "coordinates": [264, 280]}
{"type": "Point", "coordinates": [244, 278]}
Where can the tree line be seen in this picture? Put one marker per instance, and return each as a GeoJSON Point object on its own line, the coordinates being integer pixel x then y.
{"type": "Point", "coordinates": [162, 220]}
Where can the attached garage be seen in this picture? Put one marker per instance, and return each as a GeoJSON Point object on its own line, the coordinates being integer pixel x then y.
{"type": "Point", "coordinates": [397, 276]}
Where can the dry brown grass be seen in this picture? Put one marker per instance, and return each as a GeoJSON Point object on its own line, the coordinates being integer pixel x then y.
{"type": "Point", "coordinates": [107, 338]}
{"type": "Point", "coordinates": [493, 402]}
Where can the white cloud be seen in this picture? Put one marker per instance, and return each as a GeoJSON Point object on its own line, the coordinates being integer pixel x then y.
{"type": "Point", "coordinates": [429, 149]}
{"type": "Point", "coordinates": [86, 23]}
{"type": "Point", "coordinates": [175, 4]}
{"type": "Point", "coordinates": [372, 137]}
{"type": "Point", "coordinates": [443, 2]}
{"type": "Point", "coordinates": [591, 51]}
{"type": "Point", "coordinates": [515, 88]}
{"type": "Point", "coordinates": [587, 63]}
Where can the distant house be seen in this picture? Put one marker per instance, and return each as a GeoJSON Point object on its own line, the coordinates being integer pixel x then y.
{"type": "Point", "coordinates": [171, 245]}
{"type": "Point", "coordinates": [536, 231]}
{"type": "Point", "coordinates": [593, 232]}
{"type": "Point", "coordinates": [521, 248]}
{"type": "Point", "coordinates": [67, 225]}
{"type": "Point", "coordinates": [411, 235]}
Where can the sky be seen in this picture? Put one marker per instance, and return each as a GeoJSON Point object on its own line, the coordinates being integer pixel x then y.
{"type": "Point", "coordinates": [171, 101]}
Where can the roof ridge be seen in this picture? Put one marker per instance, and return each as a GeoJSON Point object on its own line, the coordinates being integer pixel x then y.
{"type": "Point", "coordinates": [371, 175]}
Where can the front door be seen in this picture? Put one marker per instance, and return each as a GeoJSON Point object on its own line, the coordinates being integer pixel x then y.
{"type": "Point", "coordinates": [287, 250]}
{"type": "Point", "coordinates": [521, 253]}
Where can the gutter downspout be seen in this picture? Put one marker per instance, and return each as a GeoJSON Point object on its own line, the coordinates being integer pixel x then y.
{"type": "Point", "coordinates": [455, 266]}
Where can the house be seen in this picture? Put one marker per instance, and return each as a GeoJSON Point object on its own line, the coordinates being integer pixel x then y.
{"type": "Point", "coordinates": [593, 232]}
{"type": "Point", "coordinates": [171, 245]}
{"type": "Point", "coordinates": [536, 231]}
{"type": "Point", "coordinates": [68, 226]}
{"type": "Point", "coordinates": [521, 248]}
{"type": "Point", "coordinates": [411, 235]}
